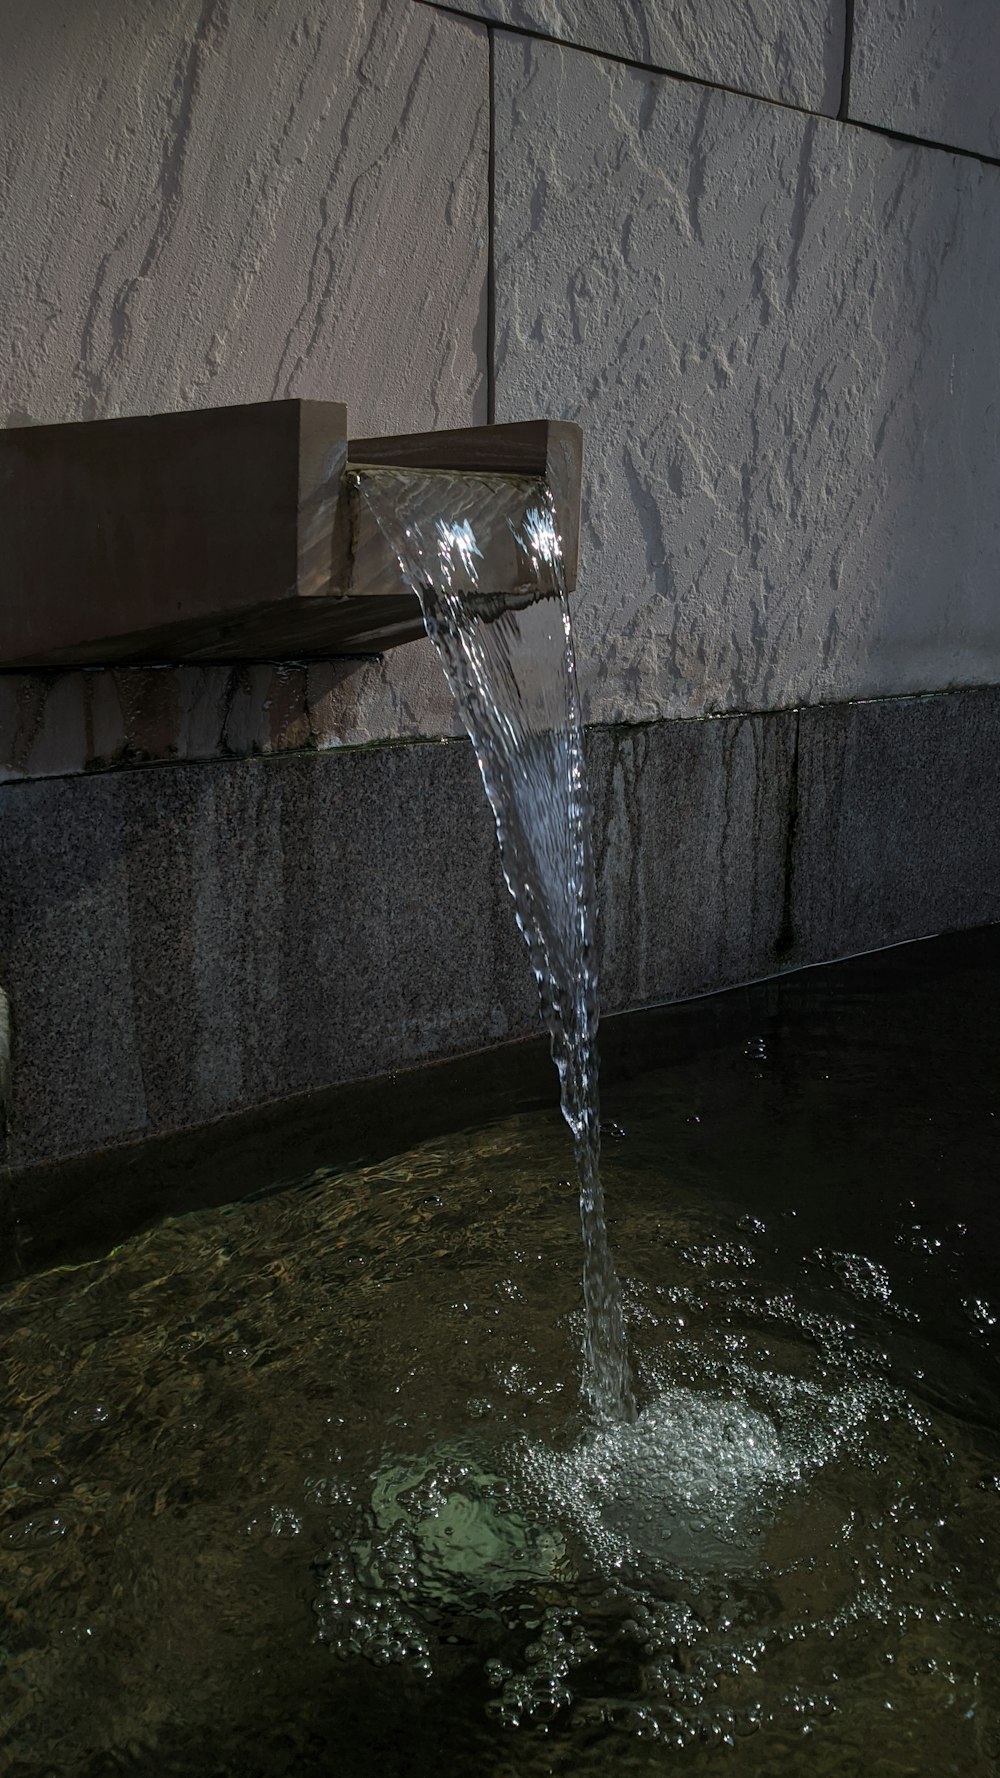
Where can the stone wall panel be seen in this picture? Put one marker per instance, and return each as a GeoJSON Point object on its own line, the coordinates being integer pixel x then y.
{"type": "Point", "coordinates": [690, 820]}
{"type": "Point", "coordinates": [774, 48]}
{"type": "Point", "coordinates": [179, 942]}
{"type": "Point", "coordinates": [183, 941]}
{"type": "Point", "coordinates": [778, 334]}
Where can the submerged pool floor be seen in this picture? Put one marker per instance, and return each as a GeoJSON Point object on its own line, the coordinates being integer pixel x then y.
{"type": "Point", "coordinates": [303, 1486]}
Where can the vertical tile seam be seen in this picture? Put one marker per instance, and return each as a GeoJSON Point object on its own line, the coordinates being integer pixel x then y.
{"type": "Point", "coordinates": [491, 304]}
{"type": "Point", "coordinates": [844, 110]}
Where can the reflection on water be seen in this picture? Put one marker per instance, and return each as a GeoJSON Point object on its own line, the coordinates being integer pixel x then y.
{"type": "Point", "coordinates": [303, 1486]}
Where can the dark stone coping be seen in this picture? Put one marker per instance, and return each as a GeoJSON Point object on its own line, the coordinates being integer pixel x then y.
{"type": "Point", "coordinates": [73, 1211]}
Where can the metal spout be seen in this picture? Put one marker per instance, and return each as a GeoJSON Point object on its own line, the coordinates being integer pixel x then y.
{"type": "Point", "coordinates": [236, 533]}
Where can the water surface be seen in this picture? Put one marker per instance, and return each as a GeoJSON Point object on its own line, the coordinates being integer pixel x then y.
{"type": "Point", "coordinates": [304, 1485]}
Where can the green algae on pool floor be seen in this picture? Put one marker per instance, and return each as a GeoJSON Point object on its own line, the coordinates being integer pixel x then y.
{"type": "Point", "coordinates": [303, 1485]}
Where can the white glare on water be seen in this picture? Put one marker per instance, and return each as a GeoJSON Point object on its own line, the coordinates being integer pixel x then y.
{"type": "Point", "coordinates": [508, 657]}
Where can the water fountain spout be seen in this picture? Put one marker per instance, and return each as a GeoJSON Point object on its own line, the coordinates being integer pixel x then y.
{"type": "Point", "coordinates": [232, 533]}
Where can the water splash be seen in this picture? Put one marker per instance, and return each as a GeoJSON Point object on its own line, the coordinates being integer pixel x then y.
{"type": "Point", "coordinates": [508, 658]}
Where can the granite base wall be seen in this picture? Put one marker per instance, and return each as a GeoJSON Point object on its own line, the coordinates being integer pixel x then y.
{"type": "Point", "coordinates": [183, 941]}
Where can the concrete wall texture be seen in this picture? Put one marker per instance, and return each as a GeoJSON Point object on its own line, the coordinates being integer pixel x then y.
{"type": "Point", "coordinates": [754, 248]}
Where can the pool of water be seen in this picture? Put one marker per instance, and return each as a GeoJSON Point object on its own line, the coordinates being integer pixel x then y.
{"type": "Point", "coordinates": [303, 1485]}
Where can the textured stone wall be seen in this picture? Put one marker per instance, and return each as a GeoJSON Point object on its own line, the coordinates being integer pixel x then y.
{"type": "Point", "coordinates": [183, 941]}
{"type": "Point", "coordinates": [208, 203]}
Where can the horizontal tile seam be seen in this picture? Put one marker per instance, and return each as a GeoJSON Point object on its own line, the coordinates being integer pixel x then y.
{"type": "Point", "coordinates": [774, 975]}
{"type": "Point", "coordinates": [338, 749]}
{"type": "Point", "coordinates": [718, 86]}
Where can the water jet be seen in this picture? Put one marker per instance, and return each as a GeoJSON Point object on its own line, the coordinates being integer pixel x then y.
{"type": "Point", "coordinates": [341, 1419]}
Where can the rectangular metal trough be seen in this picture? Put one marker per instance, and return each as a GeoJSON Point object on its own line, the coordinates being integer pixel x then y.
{"type": "Point", "coordinates": [230, 533]}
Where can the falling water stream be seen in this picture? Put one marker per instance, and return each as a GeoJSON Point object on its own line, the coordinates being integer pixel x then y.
{"type": "Point", "coordinates": [299, 1483]}
{"type": "Point", "coordinates": [509, 660]}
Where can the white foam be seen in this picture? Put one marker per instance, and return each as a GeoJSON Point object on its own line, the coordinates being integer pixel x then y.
{"type": "Point", "coordinates": [682, 1487]}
